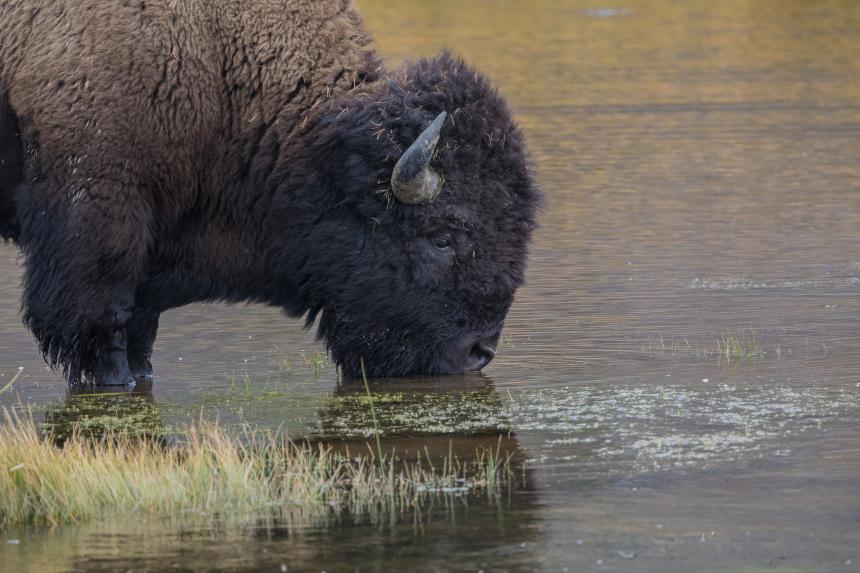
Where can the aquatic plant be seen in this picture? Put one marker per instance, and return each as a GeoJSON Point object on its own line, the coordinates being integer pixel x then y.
{"type": "Point", "coordinates": [94, 414]}
{"type": "Point", "coordinates": [214, 473]}
{"type": "Point", "coordinates": [317, 362]}
{"type": "Point", "coordinates": [660, 345]}
{"type": "Point", "coordinates": [729, 347]}
{"type": "Point", "coordinates": [11, 382]}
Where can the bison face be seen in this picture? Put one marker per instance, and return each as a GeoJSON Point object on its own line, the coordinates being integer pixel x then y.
{"type": "Point", "coordinates": [430, 207]}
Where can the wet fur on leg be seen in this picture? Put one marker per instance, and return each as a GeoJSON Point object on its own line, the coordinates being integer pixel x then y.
{"type": "Point", "coordinates": [142, 328]}
{"type": "Point", "coordinates": [78, 286]}
{"type": "Point", "coordinates": [11, 169]}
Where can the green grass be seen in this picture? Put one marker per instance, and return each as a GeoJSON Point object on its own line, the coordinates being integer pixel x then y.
{"type": "Point", "coordinates": [730, 346]}
{"type": "Point", "coordinates": [316, 361]}
{"type": "Point", "coordinates": [218, 474]}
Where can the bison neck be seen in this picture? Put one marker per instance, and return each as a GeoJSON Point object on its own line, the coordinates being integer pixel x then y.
{"type": "Point", "coordinates": [259, 231]}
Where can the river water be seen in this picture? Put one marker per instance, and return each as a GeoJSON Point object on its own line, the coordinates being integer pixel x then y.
{"type": "Point", "coordinates": [679, 380]}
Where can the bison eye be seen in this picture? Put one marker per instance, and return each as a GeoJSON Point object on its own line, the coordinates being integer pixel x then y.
{"type": "Point", "coordinates": [442, 242]}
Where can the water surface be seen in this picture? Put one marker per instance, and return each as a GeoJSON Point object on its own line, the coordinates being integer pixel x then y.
{"type": "Point", "coordinates": [700, 163]}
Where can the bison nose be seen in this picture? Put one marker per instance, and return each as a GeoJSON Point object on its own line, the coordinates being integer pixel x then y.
{"type": "Point", "coordinates": [481, 353]}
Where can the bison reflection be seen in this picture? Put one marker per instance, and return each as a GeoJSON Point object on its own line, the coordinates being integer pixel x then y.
{"type": "Point", "coordinates": [395, 206]}
{"type": "Point", "coordinates": [417, 406]}
{"type": "Point", "coordinates": [96, 414]}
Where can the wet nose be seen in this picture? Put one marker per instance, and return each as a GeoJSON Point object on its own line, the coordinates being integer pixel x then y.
{"type": "Point", "coordinates": [481, 353]}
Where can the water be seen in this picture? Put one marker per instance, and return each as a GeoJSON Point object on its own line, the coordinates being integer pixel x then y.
{"type": "Point", "coordinates": [700, 162]}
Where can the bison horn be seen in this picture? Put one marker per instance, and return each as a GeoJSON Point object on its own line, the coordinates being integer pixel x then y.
{"type": "Point", "coordinates": [412, 180]}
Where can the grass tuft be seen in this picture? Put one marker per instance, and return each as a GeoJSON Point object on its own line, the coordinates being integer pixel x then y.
{"type": "Point", "coordinates": [731, 346]}
{"type": "Point", "coordinates": [318, 362]}
{"type": "Point", "coordinates": [217, 474]}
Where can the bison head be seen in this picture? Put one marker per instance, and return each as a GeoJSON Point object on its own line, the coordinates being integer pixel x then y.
{"type": "Point", "coordinates": [423, 209]}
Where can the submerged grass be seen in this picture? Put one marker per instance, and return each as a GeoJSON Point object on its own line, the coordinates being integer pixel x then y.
{"type": "Point", "coordinates": [215, 473]}
{"type": "Point", "coordinates": [660, 345]}
{"type": "Point", "coordinates": [93, 415]}
{"type": "Point", "coordinates": [316, 362]}
{"type": "Point", "coordinates": [729, 347]}
{"type": "Point", "coordinates": [11, 382]}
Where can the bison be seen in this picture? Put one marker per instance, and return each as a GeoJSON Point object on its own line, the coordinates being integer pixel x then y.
{"type": "Point", "coordinates": [156, 153]}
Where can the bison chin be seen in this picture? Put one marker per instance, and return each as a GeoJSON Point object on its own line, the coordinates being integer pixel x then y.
{"type": "Point", "coordinates": [389, 352]}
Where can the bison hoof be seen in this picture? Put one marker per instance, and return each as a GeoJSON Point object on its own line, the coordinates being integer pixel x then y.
{"type": "Point", "coordinates": [142, 376]}
{"type": "Point", "coordinates": [114, 373]}
{"type": "Point", "coordinates": [115, 379]}
{"type": "Point", "coordinates": [142, 372]}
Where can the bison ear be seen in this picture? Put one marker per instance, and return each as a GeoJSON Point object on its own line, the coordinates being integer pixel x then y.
{"type": "Point", "coordinates": [412, 180]}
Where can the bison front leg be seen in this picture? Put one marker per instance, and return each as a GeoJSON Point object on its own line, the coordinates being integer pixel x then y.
{"type": "Point", "coordinates": [84, 248]}
{"type": "Point", "coordinates": [141, 329]}
{"type": "Point", "coordinates": [108, 364]}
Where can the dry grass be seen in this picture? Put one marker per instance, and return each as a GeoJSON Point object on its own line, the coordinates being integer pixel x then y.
{"type": "Point", "coordinates": [215, 473]}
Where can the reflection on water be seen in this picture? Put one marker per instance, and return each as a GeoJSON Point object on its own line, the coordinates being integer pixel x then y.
{"type": "Point", "coordinates": [700, 161]}
{"type": "Point", "coordinates": [506, 535]}
{"type": "Point", "coordinates": [95, 412]}
{"type": "Point", "coordinates": [444, 521]}
{"type": "Point", "coordinates": [453, 405]}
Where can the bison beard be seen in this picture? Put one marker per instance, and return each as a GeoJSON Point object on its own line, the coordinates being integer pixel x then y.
{"type": "Point", "coordinates": [205, 165]}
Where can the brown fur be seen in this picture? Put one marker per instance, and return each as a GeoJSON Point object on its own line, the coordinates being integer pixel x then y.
{"type": "Point", "coordinates": [157, 82]}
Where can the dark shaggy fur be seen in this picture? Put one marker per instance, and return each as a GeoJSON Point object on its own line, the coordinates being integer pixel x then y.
{"type": "Point", "coordinates": [156, 154]}
{"type": "Point", "coordinates": [11, 168]}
